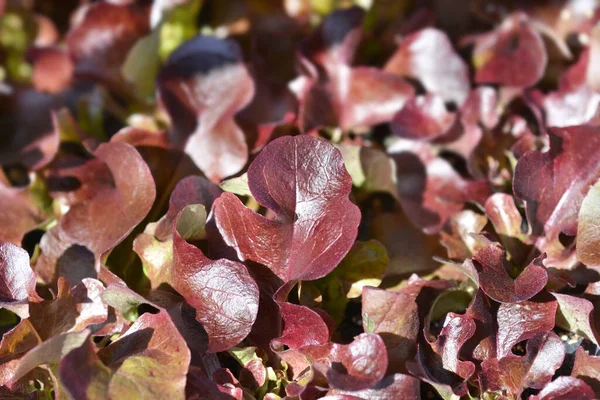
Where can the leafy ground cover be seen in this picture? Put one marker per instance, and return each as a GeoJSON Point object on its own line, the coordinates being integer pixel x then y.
{"type": "Point", "coordinates": [305, 199]}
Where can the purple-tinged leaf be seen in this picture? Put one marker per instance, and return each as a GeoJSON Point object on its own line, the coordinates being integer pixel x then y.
{"type": "Point", "coordinates": [150, 360]}
{"type": "Point", "coordinates": [423, 118]}
{"type": "Point", "coordinates": [455, 333]}
{"type": "Point", "coordinates": [565, 388]}
{"type": "Point", "coordinates": [203, 85]}
{"type": "Point", "coordinates": [569, 108]}
{"type": "Point", "coordinates": [544, 355]}
{"type": "Point", "coordinates": [587, 368]}
{"type": "Point", "coordinates": [334, 42]}
{"type": "Point", "coordinates": [335, 94]}
{"type": "Point", "coordinates": [438, 362]}
{"type": "Point", "coordinates": [253, 375]}
{"type": "Point", "coordinates": [222, 291]}
{"type": "Point", "coordinates": [352, 98]}
{"type": "Point", "coordinates": [428, 56]}
{"type": "Point", "coordinates": [74, 247]}
{"type": "Point", "coordinates": [17, 280]}
{"type": "Point", "coordinates": [73, 309]}
{"type": "Point", "coordinates": [575, 315]}
{"type": "Point", "coordinates": [397, 386]}
{"type": "Point", "coordinates": [429, 189]}
{"type": "Point", "coordinates": [521, 321]}
{"type": "Point", "coordinates": [358, 365]}
{"type": "Point", "coordinates": [482, 345]}
{"type": "Point", "coordinates": [554, 183]}
{"type": "Point", "coordinates": [100, 41]}
{"type": "Point", "coordinates": [394, 316]}
{"type": "Point", "coordinates": [511, 55]}
{"type": "Point", "coordinates": [304, 182]}
{"type": "Point", "coordinates": [302, 327]}
{"type": "Point", "coordinates": [488, 269]}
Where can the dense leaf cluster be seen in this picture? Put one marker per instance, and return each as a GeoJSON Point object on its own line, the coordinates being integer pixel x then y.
{"type": "Point", "coordinates": [304, 199]}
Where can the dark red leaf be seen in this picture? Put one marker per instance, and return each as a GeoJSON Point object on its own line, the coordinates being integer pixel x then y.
{"type": "Point", "coordinates": [429, 189]}
{"type": "Point", "coordinates": [190, 190]}
{"type": "Point", "coordinates": [511, 55]}
{"type": "Point", "coordinates": [521, 321]}
{"type": "Point", "coordinates": [423, 118]}
{"type": "Point", "coordinates": [29, 140]}
{"type": "Point", "coordinates": [303, 180]}
{"type": "Point", "coordinates": [302, 327]}
{"type": "Point", "coordinates": [73, 309]}
{"type": "Point", "coordinates": [335, 94]}
{"type": "Point", "coordinates": [203, 85]}
{"type": "Point", "coordinates": [545, 353]}
{"type": "Point", "coordinates": [554, 183]}
{"type": "Point", "coordinates": [488, 268]}
{"type": "Point", "coordinates": [222, 291]}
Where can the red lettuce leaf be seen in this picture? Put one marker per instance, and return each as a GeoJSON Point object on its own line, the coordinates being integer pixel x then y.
{"type": "Point", "coordinates": [587, 368]}
{"type": "Point", "coordinates": [575, 314]}
{"type": "Point", "coordinates": [74, 247]}
{"type": "Point", "coordinates": [565, 387]}
{"type": "Point", "coordinates": [554, 183]}
{"type": "Point", "coordinates": [511, 55]}
{"type": "Point", "coordinates": [15, 343]}
{"type": "Point", "coordinates": [358, 365]}
{"type": "Point", "coordinates": [302, 327]}
{"type": "Point", "coordinates": [423, 118]}
{"type": "Point", "coordinates": [544, 355]}
{"type": "Point", "coordinates": [394, 316]}
{"type": "Point", "coordinates": [427, 55]}
{"type": "Point", "coordinates": [73, 309]}
{"type": "Point", "coordinates": [429, 188]}
{"type": "Point", "coordinates": [150, 359]}
{"type": "Point", "coordinates": [20, 213]}
{"type": "Point", "coordinates": [303, 180]}
{"type": "Point", "coordinates": [488, 269]}
{"type": "Point", "coordinates": [397, 386]}
{"type": "Point", "coordinates": [482, 345]}
{"type": "Point", "coordinates": [52, 69]}
{"type": "Point", "coordinates": [17, 280]}
{"type": "Point", "coordinates": [100, 42]}
{"type": "Point", "coordinates": [332, 93]}
{"type": "Point", "coordinates": [522, 321]}
{"type": "Point", "coordinates": [203, 84]}
{"type": "Point", "coordinates": [222, 291]}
